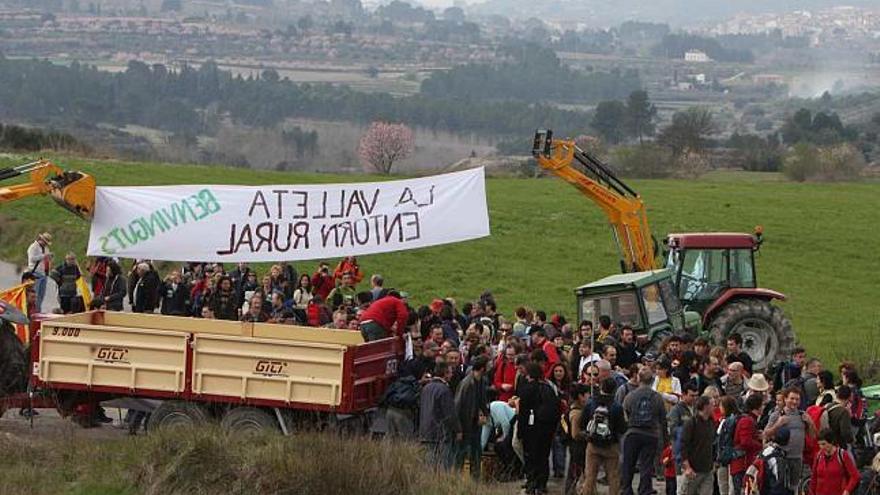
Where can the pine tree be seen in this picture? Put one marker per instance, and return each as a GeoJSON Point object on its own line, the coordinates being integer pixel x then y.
{"type": "Point", "coordinates": [640, 115]}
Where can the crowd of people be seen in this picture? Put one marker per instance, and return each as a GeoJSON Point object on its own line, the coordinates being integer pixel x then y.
{"type": "Point", "coordinates": [325, 298]}
{"type": "Point", "coordinates": [571, 403]}
{"type": "Point", "coordinates": [584, 403]}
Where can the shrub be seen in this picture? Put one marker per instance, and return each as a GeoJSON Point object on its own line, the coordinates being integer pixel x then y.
{"type": "Point", "coordinates": [648, 161]}
{"type": "Point", "coordinates": [691, 165]}
{"type": "Point", "coordinates": [841, 162]}
{"type": "Point", "coordinates": [17, 138]}
{"type": "Point", "coordinates": [834, 163]}
{"type": "Point", "coordinates": [801, 162]}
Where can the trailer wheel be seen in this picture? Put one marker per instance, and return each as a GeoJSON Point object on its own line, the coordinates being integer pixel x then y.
{"type": "Point", "coordinates": [177, 414]}
{"type": "Point", "coordinates": [248, 421]}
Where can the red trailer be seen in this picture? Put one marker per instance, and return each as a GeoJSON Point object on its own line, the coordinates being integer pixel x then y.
{"type": "Point", "coordinates": [247, 376]}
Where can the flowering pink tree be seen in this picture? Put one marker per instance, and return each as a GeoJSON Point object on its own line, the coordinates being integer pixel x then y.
{"type": "Point", "coordinates": [592, 145]}
{"type": "Point", "coordinates": [383, 145]}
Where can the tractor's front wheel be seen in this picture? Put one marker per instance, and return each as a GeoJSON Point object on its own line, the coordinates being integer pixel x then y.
{"type": "Point", "coordinates": [766, 332]}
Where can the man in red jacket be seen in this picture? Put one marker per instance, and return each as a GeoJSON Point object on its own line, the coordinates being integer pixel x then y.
{"type": "Point", "coordinates": [539, 341]}
{"type": "Point", "coordinates": [504, 380]}
{"type": "Point", "coordinates": [322, 281]}
{"type": "Point", "coordinates": [384, 317]}
{"type": "Point", "coordinates": [746, 439]}
{"type": "Point", "coordinates": [834, 470]}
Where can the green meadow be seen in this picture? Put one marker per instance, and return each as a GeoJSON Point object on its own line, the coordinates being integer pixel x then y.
{"type": "Point", "coordinates": [822, 241]}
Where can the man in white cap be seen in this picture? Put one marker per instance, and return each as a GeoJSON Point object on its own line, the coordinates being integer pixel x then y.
{"type": "Point", "coordinates": [39, 263]}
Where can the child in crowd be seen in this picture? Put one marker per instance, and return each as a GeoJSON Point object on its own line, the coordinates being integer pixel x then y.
{"type": "Point", "coordinates": [668, 461]}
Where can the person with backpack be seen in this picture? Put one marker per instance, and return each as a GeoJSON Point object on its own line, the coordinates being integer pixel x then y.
{"type": "Point", "coordinates": [646, 431]}
{"type": "Point", "coordinates": [836, 420]}
{"type": "Point", "coordinates": [472, 409]}
{"type": "Point", "coordinates": [834, 470]}
{"type": "Point", "coordinates": [603, 423]}
{"type": "Point", "coordinates": [631, 384]}
{"type": "Point", "coordinates": [401, 400]}
{"type": "Point", "coordinates": [746, 439]}
{"type": "Point", "coordinates": [725, 451]}
{"type": "Point", "coordinates": [858, 405]}
{"type": "Point", "coordinates": [577, 437]}
{"type": "Point", "coordinates": [799, 426]}
{"type": "Point", "coordinates": [697, 437]}
{"type": "Point", "coordinates": [537, 420]}
{"type": "Point", "coordinates": [768, 474]}
{"type": "Point", "coordinates": [825, 382]}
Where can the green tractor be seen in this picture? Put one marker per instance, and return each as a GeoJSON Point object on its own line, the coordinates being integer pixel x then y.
{"type": "Point", "coordinates": [646, 301]}
{"type": "Point", "coordinates": [651, 302]}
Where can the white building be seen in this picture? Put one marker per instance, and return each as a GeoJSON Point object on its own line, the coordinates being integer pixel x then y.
{"type": "Point", "coordinates": [696, 56]}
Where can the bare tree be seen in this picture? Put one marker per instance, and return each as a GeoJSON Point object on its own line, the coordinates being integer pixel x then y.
{"type": "Point", "coordinates": [383, 145]}
{"type": "Point", "coordinates": [689, 131]}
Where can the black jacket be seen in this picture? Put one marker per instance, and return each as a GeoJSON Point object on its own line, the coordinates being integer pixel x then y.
{"type": "Point", "coordinates": [697, 436]}
{"type": "Point", "coordinates": [470, 400]}
{"type": "Point", "coordinates": [627, 355]}
{"type": "Point", "coordinates": [538, 402]}
{"type": "Point", "coordinates": [175, 301]}
{"type": "Point", "coordinates": [145, 295]}
{"type": "Point", "coordinates": [225, 305]}
{"type": "Point", "coordinates": [115, 290]}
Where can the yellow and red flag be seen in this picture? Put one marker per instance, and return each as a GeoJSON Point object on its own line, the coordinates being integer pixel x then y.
{"type": "Point", "coordinates": [17, 296]}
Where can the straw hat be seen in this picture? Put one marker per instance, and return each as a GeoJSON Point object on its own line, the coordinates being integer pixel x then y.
{"type": "Point", "coordinates": [758, 382]}
{"type": "Point", "coordinates": [45, 237]}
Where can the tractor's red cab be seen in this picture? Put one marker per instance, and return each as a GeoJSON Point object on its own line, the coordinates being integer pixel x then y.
{"type": "Point", "coordinates": [715, 276]}
{"type": "Point", "coordinates": [711, 269]}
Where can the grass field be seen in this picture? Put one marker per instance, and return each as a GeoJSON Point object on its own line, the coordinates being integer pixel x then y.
{"type": "Point", "coordinates": [822, 241]}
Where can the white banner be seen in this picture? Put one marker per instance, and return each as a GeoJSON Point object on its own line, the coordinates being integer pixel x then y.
{"type": "Point", "coordinates": [288, 223]}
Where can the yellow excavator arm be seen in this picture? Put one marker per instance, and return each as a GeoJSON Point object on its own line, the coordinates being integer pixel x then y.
{"type": "Point", "coordinates": [73, 190]}
{"type": "Point", "coordinates": [622, 205]}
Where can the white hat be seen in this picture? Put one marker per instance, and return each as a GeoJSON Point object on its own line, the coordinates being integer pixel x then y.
{"type": "Point", "coordinates": [758, 382]}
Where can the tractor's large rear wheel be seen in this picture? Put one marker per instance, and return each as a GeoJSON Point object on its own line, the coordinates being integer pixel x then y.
{"type": "Point", "coordinates": [766, 332]}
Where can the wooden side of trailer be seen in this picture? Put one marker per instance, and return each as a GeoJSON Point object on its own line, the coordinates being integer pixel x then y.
{"type": "Point", "coordinates": [215, 361]}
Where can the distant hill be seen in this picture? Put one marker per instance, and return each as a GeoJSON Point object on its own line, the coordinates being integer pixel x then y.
{"type": "Point", "coordinates": [601, 13]}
